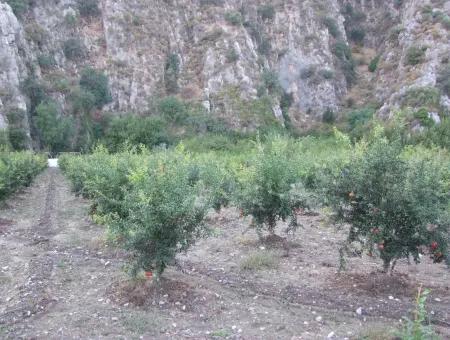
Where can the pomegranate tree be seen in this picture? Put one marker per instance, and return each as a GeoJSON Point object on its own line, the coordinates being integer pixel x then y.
{"type": "Point", "coordinates": [396, 208]}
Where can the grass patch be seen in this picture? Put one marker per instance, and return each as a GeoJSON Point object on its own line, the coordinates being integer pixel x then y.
{"type": "Point", "coordinates": [379, 333]}
{"type": "Point", "coordinates": [260, 260]}
{"type": "Point", "coordinates": [141, 323]}
{"type": "Point", "coordinates": [221, 333]}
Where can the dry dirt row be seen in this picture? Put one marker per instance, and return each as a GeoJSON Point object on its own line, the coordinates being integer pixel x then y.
{"type": "Point", "coordinates": [60, 279]}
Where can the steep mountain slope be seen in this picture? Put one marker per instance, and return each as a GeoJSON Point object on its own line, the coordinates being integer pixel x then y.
{"type": "Point", "coordinates": [226, 54]}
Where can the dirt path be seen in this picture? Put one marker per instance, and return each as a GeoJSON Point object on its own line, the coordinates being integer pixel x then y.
{"type": "Point", "coordinates": [59, 279]}
{"type": "Point", "coordinates": [52, 271]}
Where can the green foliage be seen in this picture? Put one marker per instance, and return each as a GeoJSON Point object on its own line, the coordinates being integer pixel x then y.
{"type": "Point", "coordinates": [353, 23]}
{"type": "Point", "coordinates": [437, 134]}
{"type": "Point", "coordinates": [151, 203]}
{"type": "Point", "coordinates": [15, 116]}
{"type": "Point", "coordinates": [344, 53]}
{"type": "Point", "coordinates": [36, 33]}
{"type": "Point", "coordinates": [165, 214]}
{"type": "Point", "coordinates": [266, 12]}
{"type": "Point", "coordinates": [171, 73]}
{"type": "Point", "coordinates": [46, 61]}
{"type": "Point", "coordinates": [269, 182]}
{"type": "Point", "coordinates": [359, 120]}
{"type": "Point", "coordinates": [198, 121]}
{"type": "Point", "coordinates": [17, 135]}
{"type": "Point", "coordinates": [270, 81]}
{"type": "Point", "coordinates": [256, 31]}
{"type": "Point", "coordinates": [54, 129]}
{"type": "Point", "coordinates": [59, 82]}
{"type": "Point", "coordinates": [437, 16]}
{"type": "Point", "coordinates": [443, 80]}
{"type": "Point", "coordinates": [328, 116]}
{"type": "Point", "coordinates": [357, 35]}
{"type": "Point", "coordinates": [394, 33]}
{"type": "Point", "coordinates": [253, 112]}
{"type": "Point", "coordinates": [35, 91]}
{"type": "Point", "coordinates": [321, 159]}
{"type": "Point", "coordinates": [418, 328]}
{"type": "Point", "coordinates": [415, 55]}
{"type": "Point", "coordinates": [445, 21]}
{"type": "Point", "coordinates": [373, 65]}
{"type": "Point", "coordinates": [17, 169]}
{"type": "Point", "coordinates": [74, 49]}
{"type": "Point", "coordinates": [260, 260]}
{"type": "Point", "coordinates": [327, 74]}
{"type": "Point", "coordinates": [395, 207]}
{"type": "Point", "coordinates": [422, 116]}
{"type": "Point", "coordinates": [101, 177]}
{"type": "Point", "coordinates": [234, 18]}
{"type": "Point", "coordinates": [232, 55]}
{"type": "Point", "coordinates": [19, 7]}
{"type": "Point", "coordinates": [83, 101]}
{"type": "Point", "coordinates": [351, 14]}
{"type": "Point", "coordinates": [70, 20]}
{"type": "Point", "coordinates": [172, 109]}
{"type": "Point", "coordinates": [265, 46]}
{"type": "Point", "coordinates": [398, 3]}
{"type": "Point", "coordinates": [4, 140]}
{"type": "Point", "coordinates": [218, 142]}
{"type": "Point", "coordinates": [332, 26]}
{"type": "Point", "coordinates": [308, 72]}
{"type": "Point", "coordinates": [211, 2]}
{"type": "Point", "coordinates": [96, 82]}
{"type": "Point", "coordinates": [218, 177]}
{"type": "Point", "coordinates": [133, 130]}
{"type": "Point", "coordinates": [88, 8]}
{"type": "Point", "coordinates": [428, 97]}
{"type": "Point", "coordinates": [18, 138]}
{"type": "Point", "coordinates": [270, 189]}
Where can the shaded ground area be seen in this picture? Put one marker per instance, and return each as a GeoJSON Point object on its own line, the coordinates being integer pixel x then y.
{"type": "Point", "coordinates": [60, 279]}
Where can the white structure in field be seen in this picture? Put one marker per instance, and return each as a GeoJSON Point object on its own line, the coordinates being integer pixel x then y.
{"type": "Point", "coordinates": [53, 163]}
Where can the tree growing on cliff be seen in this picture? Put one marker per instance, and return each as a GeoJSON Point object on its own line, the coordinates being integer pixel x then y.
{"type": "Point", "coordinates": [88, 8]}
{"type": "Point", "coordinates": [19, 7]}
{"type": "Point", "coordinates": [97, 83]}
{"type": "Point", "coordinates": [54, 129]}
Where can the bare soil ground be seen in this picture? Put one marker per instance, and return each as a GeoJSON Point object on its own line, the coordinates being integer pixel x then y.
{"type": "Point", "coordinates": [60, 279]}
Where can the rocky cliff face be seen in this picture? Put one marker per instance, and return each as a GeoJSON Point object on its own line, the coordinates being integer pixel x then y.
{"type": "Point", "coordinates": [13, 47]}
{"type": "Point", "coordinates": [223, 53]}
